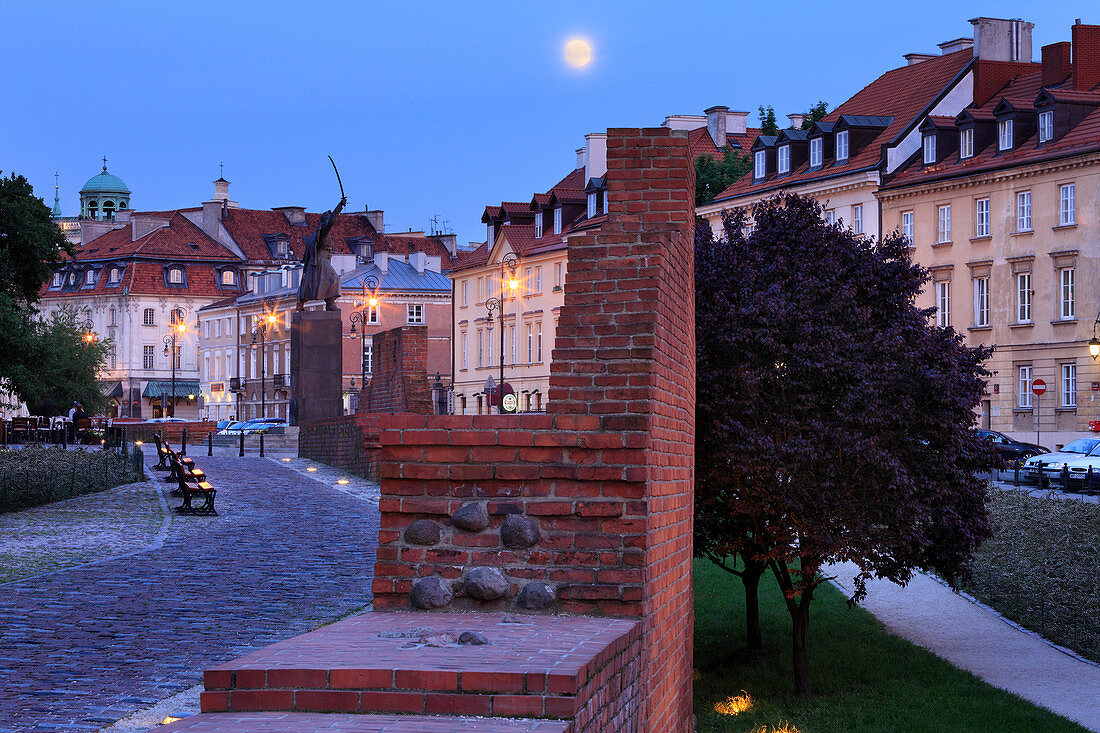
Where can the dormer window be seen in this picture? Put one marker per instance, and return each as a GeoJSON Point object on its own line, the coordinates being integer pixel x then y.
{"type": "Point", "coordinates": [966, 143]}
{"type": "Point", "coordinates": [759, 164]}
{"type": "Point", "coordinates": [113, 276]}
{"type": "Point", "coordinates": [489, 234]}
{"type": "Point", "coordinates": [929, 149]}
{"type": "Point", "coordinates": [816, 146]}
{"type": "Point", "coordinates": [228, 278]}
{"type": "Point", "coordinates": [605, 201]}
{"type": "Point", "coordinates": [56, 281]}
{"type": "Point", "coordinates": [1004, 135]}
{"type": "Point", "coordinates": [784, 159]}
{"type": "Point", "coordinates": [842, 145]}
{"type": "Point", "coordinates": [592, 201]}
{"type": "Point", "coordinates": [557, 220]}
{"type": "Point", "coordinates": [89, 277]}
{"type": "Point", "coordinates": [72, 279]}
{"type": "Point", "coordinates": [282, 248]}
{"type": "Point", "coordinates": [175, 276]}
{"type": "Point", "coordinates": [1046, 126]}
{"type": "Point", "coordinates": [538, 224]}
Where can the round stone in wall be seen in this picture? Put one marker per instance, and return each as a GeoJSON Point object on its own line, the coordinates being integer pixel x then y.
{"type": "Point", "coordinates": [535, 596]}
{"type": "Point", "coordinates": [475, 638]}
{"type": "Point", "coordinates": [430, 593]}
{"type": "Point", "coordinates": [518, 532]}
{"type": "Point", "coordinates": [485, 584]}
{"type": "Point", "coordinates": [471, 517]}
{"type": "Point", "coordinates": [423, 532]}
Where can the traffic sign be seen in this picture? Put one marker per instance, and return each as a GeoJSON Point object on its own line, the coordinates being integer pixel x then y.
{"type": "Point", "coordinates": [1038, 386]}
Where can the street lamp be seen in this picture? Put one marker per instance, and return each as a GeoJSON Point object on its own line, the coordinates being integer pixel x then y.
{"type": "Point", "coordinates": [260, 329]}
{"type": "Point", "coordinates": [363, 317]}
{"type": "Point", "coordinates": [170, 351]}
{"type": "Point", "coordinates": [89, 334]}
{"type": "Point", "coordinates": [496, 305]}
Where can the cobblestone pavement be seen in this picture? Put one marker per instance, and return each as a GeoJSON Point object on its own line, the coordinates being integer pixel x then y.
{"type": "Point", "coordinates": [84, 646]}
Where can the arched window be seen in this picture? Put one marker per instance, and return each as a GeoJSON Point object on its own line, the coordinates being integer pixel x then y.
{"type": "Point", "coordinates": [177, 316]}
{"type": "Point", "coordinates": [227, 277]}
{"type": "Point", "coordinates": [89, 277]}
{"type": "Point", "coordinates": [112, 317]}
{"type": "Point", "coordinates": [113, 277]}
{"type": "Point", "coordinates": [175, 275]}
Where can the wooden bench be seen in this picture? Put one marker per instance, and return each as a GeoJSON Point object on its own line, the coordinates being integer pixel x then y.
{"type": "Point", "coordinates": [192, 485]}
{"type": "Point", "coordinates": [178, 465]}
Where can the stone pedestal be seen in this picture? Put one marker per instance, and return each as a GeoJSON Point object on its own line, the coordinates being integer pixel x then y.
{"type": "Point", "coordinates": [316, 360]}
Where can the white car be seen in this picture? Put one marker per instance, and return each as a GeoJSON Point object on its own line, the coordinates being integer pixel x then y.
{"type": "Point", "coordinates": [167, 419]}
{"type": "Point", "coordinates": [1051, 464]}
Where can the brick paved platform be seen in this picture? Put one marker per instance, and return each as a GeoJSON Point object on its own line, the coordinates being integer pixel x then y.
{"type": "Point", "coordinates": [303, 722]}
{"type": "Point", "coordinates": [538, 666]}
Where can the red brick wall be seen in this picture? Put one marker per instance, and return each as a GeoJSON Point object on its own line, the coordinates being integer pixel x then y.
{"type": "Point", "coordinates": [1086, 56]}
{"type": "Point", "coordinates": [400, 373]}
{"type": "Point", "coordinates": [172, 432]}
{"type": "Point", "coordinates": [349, 443]}
{"type": "Point", "coordinates": [991, 76]}
{"type": "Point", "coordinates": [607, 474]}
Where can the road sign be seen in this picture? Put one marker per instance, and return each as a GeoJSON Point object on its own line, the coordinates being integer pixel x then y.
{"type": "Point", "coordinates": [1038, 386]}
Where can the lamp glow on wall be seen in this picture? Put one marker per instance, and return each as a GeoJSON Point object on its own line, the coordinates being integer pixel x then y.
{"type": "Point", "coordinates": [1094, 343]}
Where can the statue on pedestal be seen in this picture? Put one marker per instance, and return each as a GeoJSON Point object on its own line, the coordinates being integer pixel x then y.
{"type": "Point", "coordinates": [319, 280]}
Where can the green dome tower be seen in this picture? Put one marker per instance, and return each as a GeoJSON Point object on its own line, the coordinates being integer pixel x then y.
{"type": "Point", "coordinates": [103, 195]}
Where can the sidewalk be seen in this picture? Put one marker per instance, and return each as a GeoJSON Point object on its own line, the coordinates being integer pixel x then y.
{"type": "Point", "coordinates": [976, 639]}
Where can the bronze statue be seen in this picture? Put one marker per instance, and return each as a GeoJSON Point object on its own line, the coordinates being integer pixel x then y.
{"type": "Point", "coordinates": [319, 280]}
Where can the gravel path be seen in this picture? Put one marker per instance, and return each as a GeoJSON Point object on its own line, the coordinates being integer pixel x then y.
{"type": "Point", "coordinates": [151, 599]}
{"type": "Point", "coordinates": [977, 639]}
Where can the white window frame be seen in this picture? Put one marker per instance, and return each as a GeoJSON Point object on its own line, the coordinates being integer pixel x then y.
{"type": "Point", "coordinates": [1004, 135]}
{"type": "Point", "coordinates": [538, 340]}
{"type": "Point", "coordinates": [56, 282]}
{"type": "Point", "coordinates": [981, 217]}
{"type": "Point", "coordinates": [591, 204]}
{"type": "Point", "coordinates": [842, 145]}
{"type": "Point", "coordinates": [783, 159]}
{"type": "Point", "coordinates": [148, 356]}
{"type": "Point", "coordinates": [175, 276]}
{"type": "Point", "coordinates": [816, 149]}
{"type": "Point", "coordinates": [557, 274]}
{"type": "Point", "coordinates": [465, 353]}
{"type": "Point", "coordinates": [966, 143]}
{"type": "Point", "coordinates": [1067, 193]}
{"type": "Point", "coordinates": [149, 317]}
{"type": "Point", "coordinates": [943, 303]}
{"type": "Point", "coordinates": [89, 277]}
{"type": "Point", "coordinates": [512, 342]}
{"type": "Point", "coordinates": [227, 278]}
{"type": "Point", "coordinates": [929, 145]}
{"type": "Point", "coordinates": [1066, 303]}
{"type": "Point", "coordinates": [1068, 390]}
{"type": "Point", "coordinates": [944, 224]}
{"type": "Point", "coordinates": [981, 302]}
{"type": "Point", "coordinates": [114, 276]}
{"type": "Point", "coordinates": [1046, 126]}
{"type": "Point", "coordinates": [857, 218]}
{"type": "Point", "coordinates": [538, 279]}
{"type": "Point", "coordinates": [415, 313]}
{"type": "Point", "coordinates": [538, 224]}
{"type": "Point", "coordinates": [1023, 297]}
{"type": "Point", "coordinates": [530, 344]}
{"type": "Point", "coordinates": [557, 220]}
{"type": "Point", "coordinates": [480, 347]}
{"type": "Point", "coordinates": [464, 290]}
{"type": "Point", "coordinates": [907, 226]}
{"type": "Point", "coordinates": [830, 216]}
{"type": "Point", "coordinates": [759, 164]}
{"type": "Point", "coordinates": [372, 314]}
{"type": "Point", "coordinates": [1023, 211]}
{"type": "Point", "coordinates": [1023, 387]}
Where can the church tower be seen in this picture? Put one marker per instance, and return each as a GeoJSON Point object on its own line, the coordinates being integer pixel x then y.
{"type": "Point", "coordinates": [103, 195]}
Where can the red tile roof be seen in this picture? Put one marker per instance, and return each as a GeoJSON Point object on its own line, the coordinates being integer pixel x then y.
{"type": "Point", "coordinates": [473, 258]}
{"type": "Point", "coordinates": [180, 240]}
{"type": "Point", "coordinates": [701, 143]}
{"type": "Point", "coordinates": [902, 93]}
{"type": "Point", "coordinates": [141, 277]}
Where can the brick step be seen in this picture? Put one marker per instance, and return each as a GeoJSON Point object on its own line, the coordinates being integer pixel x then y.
{"type": "Point", "coordinates": [309, 722]}
{"type": "Point", "coordinates": [556, 667]}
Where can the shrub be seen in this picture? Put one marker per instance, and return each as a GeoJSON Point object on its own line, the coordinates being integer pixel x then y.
{"type": "Point", "coordinates": [40, 474]}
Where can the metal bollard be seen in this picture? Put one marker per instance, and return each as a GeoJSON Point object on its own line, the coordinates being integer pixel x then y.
{"type": "Point", "coordinates": [65, 437]}
{"type": "Point", "coordinates": [210, 443]}
{"type": "Point", "coordinates": [1089, 487]}
{"type": "Point", "coordinates": [183, 443]}
{"type": "Point", "coordinates": [261, 445]}
{"type": "Point", "coordinates": [1016, 475]}
{"type": "Point", "coordinates": [241, 452]}
{"type": "Point", "coordinates": [1065, 477]}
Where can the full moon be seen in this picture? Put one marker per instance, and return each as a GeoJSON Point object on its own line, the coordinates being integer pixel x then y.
{"type": "Point", "coordinates": [578, 53]}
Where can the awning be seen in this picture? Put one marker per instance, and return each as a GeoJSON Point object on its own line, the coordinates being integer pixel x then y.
{"type": "Point", "coordinates": [163, 388]}
{"type": "Point", "coordinates": [111, 389]}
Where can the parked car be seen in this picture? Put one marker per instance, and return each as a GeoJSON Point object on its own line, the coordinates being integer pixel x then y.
{"type": "Point", "coordinates": [1077, 477]}
{"type": "Point", "coordinates": [233, 427]}
{"type": "Point", "coordinates": [166, 419]}
{"type": "Point", "coordinates": [262, 425]}
{"type": "Point", "coordinates": [1050, 464]}
{"type": "Point", "coordinates": [1009, 449]}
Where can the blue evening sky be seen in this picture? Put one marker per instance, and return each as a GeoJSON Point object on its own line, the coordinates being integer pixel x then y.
{"type": "Point", "coordinates": [429, 108]}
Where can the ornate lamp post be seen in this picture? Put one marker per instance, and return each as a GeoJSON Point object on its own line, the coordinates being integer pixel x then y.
{"type": "Point", "coordinates": [496, 305]}
{"type": "Point", "coordinates": [363, 317]}
{"type": "Point", "coordinates": [170, 351]}
{"type": "Point", "coordinates": [260, 330]}
{"type": "Point", "coordinates": [1094, 343]}
{"type": "Point", "coordinates": [89, 334]}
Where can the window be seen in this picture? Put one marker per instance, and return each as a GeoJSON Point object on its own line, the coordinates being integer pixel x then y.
{"type": "Point", "coordinates": [557, 275]}
{"type": "Point", "coordinates": [929, 149]}
{"type": "Point", "coordinates": [527, 280]}
{"type": "Point", "coordinates": [605, 201]}
{"type": "Point", "coordinates": [1023, 211]}
{"type": "Point", "coordinates": [1069, 385]}
{"type": "Point", "coordinates": [147, 357]}
{"type": "Point", "coordinates": [112, 317]}
{"type": "Point", "coordinates": [416, 313]}
{"type": "Point", "coordinates": [538, 279]}
{"type": "Point", "coordinates": [372, 314]}
{"type": "Point", "coordinates": [530, 345]}
{"type": "Point", "coordinates": [113, 276]}
{"type": "Point", "coordinates": [538, 224]}
{"type": "Point", "coordinates": [176, 357]}
{"type": "Point", "coordinates": [591, 204]}
{"type": "Point", "coordinates": [56, 281]}
{"type": "Point", "coordinates": [1065, 277]}
{"type": "Point", "coordinates": [480, 289]}
{"type": "Point", "coordinates": [945, 224]}
{"type": "Point", "coordinates": [227, 277]}
{"type": "Point", "coordinates": [1066, 194]}
{"type": "Point", "coordinates": [464, 301]}
{"type": "Point", "coordinates": [557, 220]}
{"type": "Point", "coordinates": [830, 216]}
{"type": "Point", "coordinates": [1004, 135]}
{"type": "Point", "coordinates": [759, 163]}
{"type": "Point", "coordinates": [784, 164]}
{"type": "Point", "coordinates": [538, 340]}
{"type": "Point", "coordinates": [89, 277]}
{"type": "Point", "coordinates": [1046, 126]}
{"type": "Point", "coordinates": [176, 316]}
{"type": "Point", "coordinates": [966, 143]}
{"type": "Point", "coordinates": [150, 318]}
{"type": "Point", "coordinates": [981, 218]}
{"type": "Point", "coordinates": [1023, 297]}
{"type": "Point", "coordinates": [175, 276]}
{"type": "Point", "coordinates": [368, 357]}
{"type": "Point", "coordinates": [981, 302]}
{"type": "Point", "coordinates": [512, 341]}
{"type": "Point", "coordinates": [480, 347]}
{"type": "Point", "coordinates": [907, 226]}
{"type": "Point", "coordinates": [1023, 397]}
{"type": "Point", "coordinates": [490, 290]}
{"type": "Point", "coordinates": [489, 235]}
{"type": "Point", "coordinates": [206, 329]}
{"type": "Point", "coordinates": [465, 361]}
{"type": "Point", "coordinates": [857, 218]}
{"type": "Point", "coordinates": [815, 152]}
{"type": "Point", "coordinates": [943, 304]}
{"type": "Point", "coordinates": [218, 328]}
{"type": "Point", "coordinates": [842, 145]}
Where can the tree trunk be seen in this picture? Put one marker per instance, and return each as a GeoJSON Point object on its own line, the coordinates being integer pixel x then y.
{"type": "Point", "coordinates": [754, 639]}
{"type": "Point", "coordinates": [800, 622]}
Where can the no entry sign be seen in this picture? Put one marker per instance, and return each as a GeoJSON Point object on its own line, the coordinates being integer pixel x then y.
{"type": "Point", "coordinates": [1038, 386]}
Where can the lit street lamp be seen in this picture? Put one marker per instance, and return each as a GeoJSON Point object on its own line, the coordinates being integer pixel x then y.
{"type": "Point", "coordinates": [170, 351]}
{"type": "Point", "coordinates": [260, 330]}
{"type": "Point", "coordinates": [363, 317]}
{"type": "Point", "coordinates": [89, 334]}
{"type": "Point", "coordinates": [496, 305]}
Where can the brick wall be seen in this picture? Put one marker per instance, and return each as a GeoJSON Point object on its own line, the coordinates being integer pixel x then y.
{"type": "Point", "coordinates": [593, 501]}
{"type": "Point", "coordinates": [172, 432]}
{"type": "Point", "coordinates": [399, 380]}
{"type": "Point", "coordinates": [349, 443]}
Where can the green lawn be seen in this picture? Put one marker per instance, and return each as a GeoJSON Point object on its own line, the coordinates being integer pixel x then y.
{"type": "Point", "coordinates": [864, 679]}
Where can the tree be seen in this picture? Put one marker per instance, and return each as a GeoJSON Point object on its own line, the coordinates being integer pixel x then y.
{"type": "Point", "coordinates": [817, 112]}
{"type": "Point", "coordinates": [61, 367]}
{"type": "Point", "coordinates": [835, 419]}
{"type": "Point", "coordinates": [768, 125]}
{"type": "Point", "coordinates": [30, 242]}
{"type": "Point", "coordinates": [714, 176]}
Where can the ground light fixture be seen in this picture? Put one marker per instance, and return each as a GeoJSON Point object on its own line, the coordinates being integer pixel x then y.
{"type": "Point", "coordinates": [311, 469]}
{"type": "Point", "coordinates": [343, 482]}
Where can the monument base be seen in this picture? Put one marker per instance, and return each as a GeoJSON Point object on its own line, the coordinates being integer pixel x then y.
{"type": "Point", "coordinates": [316, 360]}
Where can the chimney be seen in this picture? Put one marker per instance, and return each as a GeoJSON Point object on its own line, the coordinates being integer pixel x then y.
{"type": "Point", "coordinates": [797, 119]}
{"type": "Point", "coordinates": [450, 241]}
{"type": "Point", "coordinates": [595, 154]}
{"type": "Point", "coordinates": [580, 158]}
{"type": "Point", "coordinates": [1086, 56]}
{"type": "Point", "coordinates": [375, 218]}
{"type": "Point", "coordinates": [1056, 63]}
{"type": "Point", "coordinates": [142, 225]}
{"type": "Point", "coordinates": [716, 124]}
{"type": "Point", "coordinates": [737, 123]}
{"type": "Point", "coordinates": [382, 261]}
{"type": "Point", "coordinates": [957, 44]}
{"type": "Point", "coordinates": [998, 39]}
{"type": "Point", "coordinates": [418, 260]}
{"type": "Point", "coordinates": [211, 218]}
{"type": "Point", "coordinates": [221, 190]}
{"type": "Point", "coordinates": [293, 214]}
{"type": "Point", "coordinates": [912, 59]}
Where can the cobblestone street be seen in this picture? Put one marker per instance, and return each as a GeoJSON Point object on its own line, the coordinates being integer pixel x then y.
{"type": "Point", "coordinates": [84, 646]}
